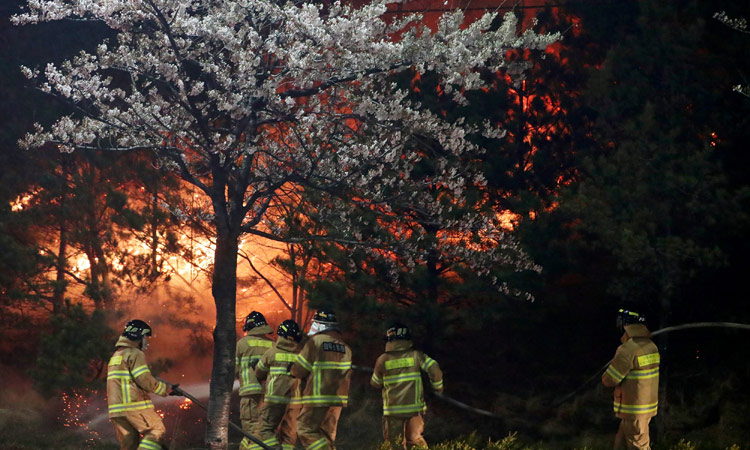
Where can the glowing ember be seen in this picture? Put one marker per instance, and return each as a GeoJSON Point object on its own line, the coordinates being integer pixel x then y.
{"type": "Point", "coordinates": [186, 404]}
{"type": "Point", "coordinates": [77, 405]}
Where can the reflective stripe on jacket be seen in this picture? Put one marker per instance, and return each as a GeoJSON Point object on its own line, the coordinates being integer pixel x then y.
{"type": "Point", "coordinates": [129, 380]}
{"type": "Point", "coordinates": [398, 372]}
{"type": "Point", "coordinates": [249, 350]}
{"type": "Point", "coordinates": [275, 364]}
{"type": "Point", "coordinates": [634, 372]}
{"type": "Point", "coordinates": [326, 361]}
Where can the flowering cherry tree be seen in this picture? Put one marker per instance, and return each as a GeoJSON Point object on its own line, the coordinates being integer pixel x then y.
{"type": "Point", "coordinates": [739, 24]}
{"type": "Point", "coordinates": [255, 101]}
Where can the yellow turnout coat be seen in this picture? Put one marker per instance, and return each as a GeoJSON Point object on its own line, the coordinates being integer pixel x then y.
{"type": "Point", "coordinates": [634, 373]}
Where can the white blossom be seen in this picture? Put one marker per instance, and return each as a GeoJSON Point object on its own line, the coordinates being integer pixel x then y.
{"type": "Point", "coordinates": [281, 93]}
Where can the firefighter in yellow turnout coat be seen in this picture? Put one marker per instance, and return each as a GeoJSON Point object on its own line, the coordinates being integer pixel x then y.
{"type": "Point", "coordinates": [398, 373]}
{"type": "Point", "coordinates": [634, 373]}
{"type": "Point", "coordinates": [278, 417]}
{"type": "Point", "coordinates": [325, 361]}
{"type": "Point", "coordinates": [249, 350]}
{"type": "Point", "coordinates": [129, 383]}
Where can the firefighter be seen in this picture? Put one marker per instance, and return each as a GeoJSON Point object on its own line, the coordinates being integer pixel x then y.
{"type": "Point", "coordinates": [325, 362]}
{"type": "Point", "coordinates": [634, 373]}
{"type": "Point", "coordinates": [398, 373]}
{"type": "Point", "coordinates": [129, 383]}
{"type": "Point", "coordinates": [249, 350]}
{"type": "Point", "coordinates": [278, 417]}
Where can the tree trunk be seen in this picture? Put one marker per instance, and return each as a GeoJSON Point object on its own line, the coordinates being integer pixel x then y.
{"type": "Point", "coordinates": [100, 286]}
{"type": "Point", "coordinates": [224, 290]}
{"type": "Point", "coordinates": [154, 270]}
{"type": "Point", "coordinates": [58, 294]}
{"type": "Point", "coordinates": [105, 281]}
{"type": "Point", "coordinates": [301, 294]}
{"type": "Point", "coordinates": [433, 316]}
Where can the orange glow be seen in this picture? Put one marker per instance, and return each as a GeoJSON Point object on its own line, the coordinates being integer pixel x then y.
{"type": "Point", "coordinates": [79, 264]}
{"type": "Point", "coordinates": [714, 139]}
{"type": "Point", "coordinates": [508, 219]}
{"type": "Point", "coordinates": [22, 201]}
{"type": "Point", "coordinates": [197, 251]}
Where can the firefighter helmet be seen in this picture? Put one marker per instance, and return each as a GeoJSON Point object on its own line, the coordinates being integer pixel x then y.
{"type": "Point", "coordinates": [253, 320]}
{"type": "Point", "coordinates": [628, 317]}
{"type": "Point", "coordinates": [136, 329]}
{"type": "Point", "coordinates": [290, 330]}
{"type": "Point", "coordinates": [325, 316]}
{"type": "Point", "coordinates": [398, 332]}
{"type": "Point", "coordinates": [323, 320]}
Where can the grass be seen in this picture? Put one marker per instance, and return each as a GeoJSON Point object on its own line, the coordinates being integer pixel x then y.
{"type": "Point", "coordinates": [527, 425]}
{"type": "Point", "coordinates": [26, 429]}
{"type": "Point", "coordinates": [17, 432]}
{"type": "Point", "coordinates": [513, 442]}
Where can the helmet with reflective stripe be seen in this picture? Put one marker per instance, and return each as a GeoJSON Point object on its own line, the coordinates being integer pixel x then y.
{"type": "Point", "coordinates": [136, 329]}
{"type": "Point", "coordinates": [290, 330]}
{"type": "Point", "coordinates": [629, 317]}
{"type": "Point", "coordinates": [325, 316]}
{"type": "Point", "coordinates": [398, 332]}
{"type": "Point", "coordinates": [254, 319]}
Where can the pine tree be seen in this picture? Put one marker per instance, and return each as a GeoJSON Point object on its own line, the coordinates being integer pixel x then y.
{"type": "Point", "coordinates": [242, 99]}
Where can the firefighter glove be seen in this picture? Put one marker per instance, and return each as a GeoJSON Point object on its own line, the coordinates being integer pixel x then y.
{"type": "Point", "coordinates": [173, 390]}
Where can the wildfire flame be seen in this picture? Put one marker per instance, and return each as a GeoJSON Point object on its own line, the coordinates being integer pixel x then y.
{"type": "Point", "coordinates": [22, 201]}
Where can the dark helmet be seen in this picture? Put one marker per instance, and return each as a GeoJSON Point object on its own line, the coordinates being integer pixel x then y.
{"type": "Point", "coordinates": [254, 319]}
{"type": "Point", "coordinates": [398, 332]}
{"type": "Point", "coordinates": [290, 330]}
{"type": "Point", "coordinates": [628, 317]}
{"type": "Point", "coordinates": [136, 329]}
{"type": "Point", "coordinates": [325, 316]}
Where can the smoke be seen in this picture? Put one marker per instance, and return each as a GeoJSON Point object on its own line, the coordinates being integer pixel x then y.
{"type": "Point", "coordinates": [182, 314]}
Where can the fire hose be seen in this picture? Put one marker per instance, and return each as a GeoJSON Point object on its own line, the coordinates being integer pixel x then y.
{"type": "Point", "coordinates": [231, 424]}
{"type": "Point", "coordinates": [740, 326]}
{"type": "Point", "coordinates": [482, 412]}
{"type": "Point", "coordinates": [445, 398]}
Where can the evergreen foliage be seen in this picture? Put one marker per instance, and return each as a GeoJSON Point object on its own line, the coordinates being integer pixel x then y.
{"type": "Point", "coordinates": [74, 351]}
{"type": "Point", "coordinates": [653, 193]}
{"type": "Point", "coordinates": [624, 168]}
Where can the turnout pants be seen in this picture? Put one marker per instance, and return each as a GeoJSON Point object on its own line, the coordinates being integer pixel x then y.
{"type": "Point", "coordinates": [250, 416]}
{"type": "Point", "coordinates": [128, 429]}
{"type": "Point", "coordinates": [404, 431]}
{"type": "Point", "coordinates": [277, 427]}
{"type": "Point", "coordinates": [316, 426]}
{"type": "Point", "coordinates": [633, 434]}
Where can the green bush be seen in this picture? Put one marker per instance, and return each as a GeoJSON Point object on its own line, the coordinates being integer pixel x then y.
{"type": "Point", "coordinates": [74, 352]}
